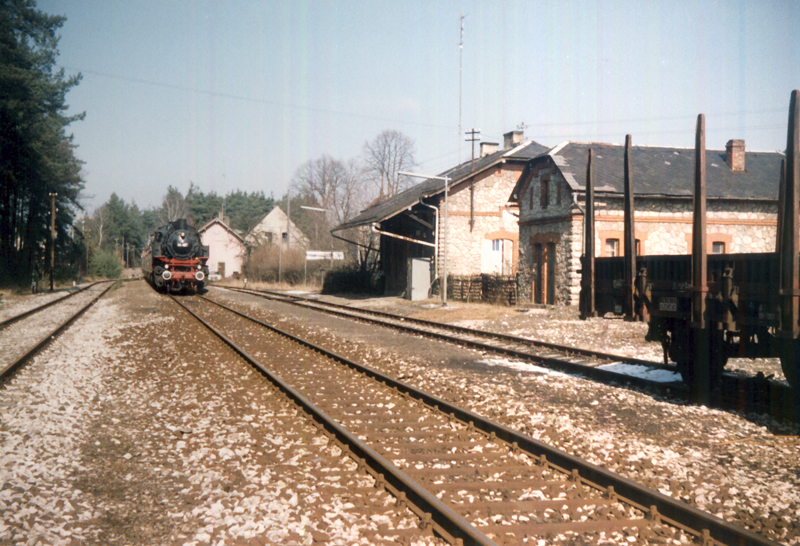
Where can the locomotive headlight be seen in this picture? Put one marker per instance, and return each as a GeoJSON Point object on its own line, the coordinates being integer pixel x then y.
{"type": "Point", "coordinates": [199, 276]}
{"type": "Point", "coordinates": [166, 266]}
{"type": "Point", "coordinates": [167, 275]}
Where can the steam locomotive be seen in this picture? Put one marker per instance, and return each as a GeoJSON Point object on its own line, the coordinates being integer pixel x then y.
{"type": "Point", "coordinates": [176, 259]}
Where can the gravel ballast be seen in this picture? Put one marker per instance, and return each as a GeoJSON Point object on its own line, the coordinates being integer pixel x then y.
{"type": "Point", "coordinates": [745, 469]}
{"type": "Point", "coordinates": [134, 428]}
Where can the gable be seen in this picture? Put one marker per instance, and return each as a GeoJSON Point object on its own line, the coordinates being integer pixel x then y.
{"type": "Point", "coordinates": [458, 175]}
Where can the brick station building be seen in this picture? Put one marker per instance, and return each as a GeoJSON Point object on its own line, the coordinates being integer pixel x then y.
{"type": "Point", "coordinates": [482, 234]}
{"type": "Point", "coordinates": [742, 196]}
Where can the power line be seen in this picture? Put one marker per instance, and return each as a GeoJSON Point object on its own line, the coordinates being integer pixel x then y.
{"type": "Point", "coordinates": [407, 122]}
{"type": "Point", "coordinates": [253, 100]}
{"type": "Point", "coordinates": [659, 118]}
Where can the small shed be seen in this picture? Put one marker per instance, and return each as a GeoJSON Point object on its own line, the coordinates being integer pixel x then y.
{"type": "Point", "coordinates": [226, 248]}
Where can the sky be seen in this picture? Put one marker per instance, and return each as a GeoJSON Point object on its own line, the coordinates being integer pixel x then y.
{"type": "Point", "coordinates": [237, 95]}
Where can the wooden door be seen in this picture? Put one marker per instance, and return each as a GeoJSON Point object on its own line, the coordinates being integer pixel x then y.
{"type": "Point", "coordinates": [550, 270]}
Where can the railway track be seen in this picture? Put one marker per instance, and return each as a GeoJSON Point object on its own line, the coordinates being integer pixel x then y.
{"type": "Point", "coordinates": [468, 479]}
{"type": "Point", "coordinates": [29, 312]}
{"type": "Point", "coordinates": [26, 334]}
{"type": "Point", "coordinates": [735, 393]}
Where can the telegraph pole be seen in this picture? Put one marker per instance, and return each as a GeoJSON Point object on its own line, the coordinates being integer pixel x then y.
{"type": "Point", "coordinates": [85, 242]}
{"type": "Point", "coordinates": [52, 237]}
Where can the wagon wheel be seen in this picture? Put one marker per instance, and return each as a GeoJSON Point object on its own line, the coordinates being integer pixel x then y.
{"type": "Point", "coordinates": [790, 359]}
{"type": "Point", "coordinates": [718, 353]}
{"type": "Point", "coordinates": [686, 369]}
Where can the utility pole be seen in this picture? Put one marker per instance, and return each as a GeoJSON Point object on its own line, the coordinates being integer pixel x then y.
{"type": "Point", "coordinates": [288, 215]}
{"type": "Point", "coordinates": [52, 237]}
{"type": "Point", "coordinates": [473, 136]}
{"type": "Point", "coordinates": [86, 242]}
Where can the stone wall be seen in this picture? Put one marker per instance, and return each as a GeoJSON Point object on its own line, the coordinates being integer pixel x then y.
{"type": "Point", "coordinates": [567, 237]}
{"type": "Point", "coordinates": [490, 220]}
{"type": "Point", "coordinates": [662, 226]}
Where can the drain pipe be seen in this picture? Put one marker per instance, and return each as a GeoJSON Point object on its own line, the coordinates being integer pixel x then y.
{"type": "Point", "coordinates": [583, 212]}
{"type": "Point", "coordinates": [435, 237]}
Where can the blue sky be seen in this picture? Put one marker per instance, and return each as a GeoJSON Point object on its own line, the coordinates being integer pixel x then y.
{"type": "Point", "coordinates": [238, 94]}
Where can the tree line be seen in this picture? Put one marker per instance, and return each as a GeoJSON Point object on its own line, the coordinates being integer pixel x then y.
{"type": "Point", "coordinates": [322, 194]}
{"type": "Point", "coordinates": [123, 230]}
{"type": "Point", "coordinates": [39, 172]}
{"type": "Point", "coordinates": [37, 160]}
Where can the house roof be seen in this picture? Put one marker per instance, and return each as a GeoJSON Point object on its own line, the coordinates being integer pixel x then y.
{"type": "Point", "coordinates": [410, 197]}
{"type": "Point", "coordinates": [224, 225]}
{"type": "Point", "coordinates": [663, 171]}
{"type": "Point", "coordinates": [275, 211]}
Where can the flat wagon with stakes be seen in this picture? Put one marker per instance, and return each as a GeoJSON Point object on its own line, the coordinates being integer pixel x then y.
{"type": "Point", "coordinates": [706, 309]}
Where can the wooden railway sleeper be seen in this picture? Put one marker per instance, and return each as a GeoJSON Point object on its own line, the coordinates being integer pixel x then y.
{"type": "Point", "coordinates": [671, 508]}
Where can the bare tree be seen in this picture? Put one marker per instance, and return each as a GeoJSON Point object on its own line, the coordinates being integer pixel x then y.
{"type": "Point", "coordinates": [98, 223]}
{"type": "Point", "coordinates": [174, 206]}
{"type": "Point", "coordinates": [387, 155]}
{"type": "Point", "coordinates": [331, 185]}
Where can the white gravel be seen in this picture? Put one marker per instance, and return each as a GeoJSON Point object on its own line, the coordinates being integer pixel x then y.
{"type": "Point", "coordinates": [109, 437]}
{"type": "Point", "coordinates": [745, 469]}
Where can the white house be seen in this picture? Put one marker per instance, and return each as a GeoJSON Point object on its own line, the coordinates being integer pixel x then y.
{"type": "Point", "coordinates": [225, 247]}
{"type": "Point", "coordinates": [274, 228]}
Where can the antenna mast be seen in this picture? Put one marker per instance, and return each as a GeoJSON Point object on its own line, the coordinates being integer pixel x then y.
{"type": "Point", "coordinates": [460, 55]}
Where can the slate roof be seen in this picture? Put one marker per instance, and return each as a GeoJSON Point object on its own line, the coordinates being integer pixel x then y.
{"type": "Point", "coordinates": [410, 197]}
{"type": "Point", "coordinates": [660, 171]}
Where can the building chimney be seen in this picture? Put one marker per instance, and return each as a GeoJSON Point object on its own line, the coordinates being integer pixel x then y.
{"type": "Point", "coordinates": [511, 139]}
{"type": "Point", "coordinates": [734, 155]}
{"type": "Point", "coordinates": [488, 148]}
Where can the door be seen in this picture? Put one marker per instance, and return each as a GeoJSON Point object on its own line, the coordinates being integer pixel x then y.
{"type": "Point", "coordinates": [544, 277]}
{"type": "Point", "coordinates": [550, 282]}
{"type": "Point", "coordinates": [537, 273]}
{"type": "Point", "coordinates": [221, 269]}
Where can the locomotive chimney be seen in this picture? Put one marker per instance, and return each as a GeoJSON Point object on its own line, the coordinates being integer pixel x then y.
{"type": "Point", "coordinates": [734, 155]}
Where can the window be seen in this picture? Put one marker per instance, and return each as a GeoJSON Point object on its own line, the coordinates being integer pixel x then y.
{"type": "Point", "coordinates": [638, 247]}
{"type": "Point", "coordinates": [718, 247]}
{"type": "Point", "coordinates": [284, 236]}
{"type": "Point", "coordinates": [497, 245]}
{"type": "Point", "coordinates": [544, 197]}
{"type": "Point", "coordinates": [612, 247]}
